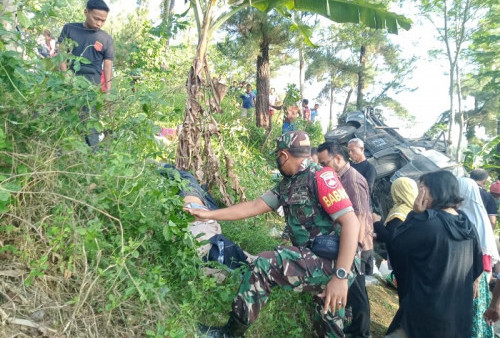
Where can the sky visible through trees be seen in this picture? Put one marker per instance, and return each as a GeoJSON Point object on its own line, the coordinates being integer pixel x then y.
{"type": "Point", "coordinates": [430, 79]}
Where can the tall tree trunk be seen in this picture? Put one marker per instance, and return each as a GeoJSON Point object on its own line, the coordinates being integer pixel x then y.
{"type": "Point", "coordinates": [263, 83]}
{"type": "Point", "coordinates": [461, 120]}
{"type": "Point", "coordinates": [347, 99]}
{"type": "Point", "coordinates": [330, 123]}
{"type": "Point", "coordinates": [189, 154]}
{"type": "Point", "coordinates": [361, 78]}
{"type": "Point", "coordinates": [451, 88]}
{"type": "Point", "coordinates": [302, 73]}
{"type": "Point", "coordinates": [194, 152]}
{"type": "Point", "coordinates": [167, 7]}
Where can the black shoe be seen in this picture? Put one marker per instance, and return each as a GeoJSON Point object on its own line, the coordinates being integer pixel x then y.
{"type": "Point", "coordinates": [233, 328]}
{"type": "Point", "coordinates": [212, 331]}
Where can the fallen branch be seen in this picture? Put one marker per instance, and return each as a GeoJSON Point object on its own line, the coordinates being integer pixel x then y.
{"type": "Point", "coordinates": [6, 319]}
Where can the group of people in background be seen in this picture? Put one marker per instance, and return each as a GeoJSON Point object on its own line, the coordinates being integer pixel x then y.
{"type": "Point", "coordinates": [294, 112]}
{"type": "Point", "coordinates": [46, 45]}
{"type": "Point", "coordinates": [440, 244]}
{"type": "Point", "coordinates": [307, 113]}
{"type": "Point", "coordinates": [248, 97]}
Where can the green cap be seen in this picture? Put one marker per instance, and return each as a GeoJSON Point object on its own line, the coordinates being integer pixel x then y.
{"type": "Point", "coordinates": [297, 142]}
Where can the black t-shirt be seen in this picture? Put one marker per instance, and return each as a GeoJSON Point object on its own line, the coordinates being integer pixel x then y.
{"type": "Point", "coordinates": [94, 45]}
{"type": "Point", "coordinates": [489, 202]}
{"type": "Point", "coordinates": [368, 171]}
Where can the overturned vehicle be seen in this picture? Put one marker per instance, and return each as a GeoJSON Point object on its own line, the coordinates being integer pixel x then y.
{"type": "Point", "coordinates": [391, 154]}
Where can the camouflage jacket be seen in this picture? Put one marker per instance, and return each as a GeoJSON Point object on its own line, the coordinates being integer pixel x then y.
{"type": "Point", "coordinates": [312, 200]}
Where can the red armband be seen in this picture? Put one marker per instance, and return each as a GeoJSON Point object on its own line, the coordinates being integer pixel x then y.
{"type": "Point", "coordinates": [331, 193]}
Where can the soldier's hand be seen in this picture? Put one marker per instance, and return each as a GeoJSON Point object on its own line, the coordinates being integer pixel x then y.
{"type": "Point", "coordinates": [335, 294]}
{"type": "Point", "coordinates": [199, 214]}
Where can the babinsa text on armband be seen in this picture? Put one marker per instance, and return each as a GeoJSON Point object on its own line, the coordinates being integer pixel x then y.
{"type": "Point", "coordinates": [334, 197]}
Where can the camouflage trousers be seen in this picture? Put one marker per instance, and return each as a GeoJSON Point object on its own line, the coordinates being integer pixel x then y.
{"type": "Point", "coordinates": [292, 268]}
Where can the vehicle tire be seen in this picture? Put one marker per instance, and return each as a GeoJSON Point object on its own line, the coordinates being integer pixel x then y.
{"type": "Point", "coordinates": [340, 134]}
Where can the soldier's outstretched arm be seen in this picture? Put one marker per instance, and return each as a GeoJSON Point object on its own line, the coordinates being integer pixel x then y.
{"type": "Point", "coordinates": [336, 290]}
{"type": "Point", "coordinates": [234, 212]}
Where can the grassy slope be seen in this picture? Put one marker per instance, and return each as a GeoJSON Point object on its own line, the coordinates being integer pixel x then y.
{"type": "Point", "coordinates": [384, 304]}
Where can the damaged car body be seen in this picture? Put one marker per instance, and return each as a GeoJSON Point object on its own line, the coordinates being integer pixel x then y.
{"type": "Point", "coordinates": [391, 154]}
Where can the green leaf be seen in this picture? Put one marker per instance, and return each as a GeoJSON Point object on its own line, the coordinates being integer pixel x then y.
{"type": "Point", "coordinates": [4, 196]}
{"type": "Point", "coordinates": [306, 33]}
{"type": "Point", "coordinates": [367, 17]}
{"type": "Point", "coordinates": [76, 65]}
{"type": "Point", "coordinates": [23, 20]}
{"type": "Point", "coordinates": [342, 11]}
{"type": "Point", "coordinates": [166, 233]}
{"type": "Point", "coordinates": [3, 139]}
{"type": "Point", "coordinates": [81, 231]}
{"type": "Point", "coordinates": [12, 186]}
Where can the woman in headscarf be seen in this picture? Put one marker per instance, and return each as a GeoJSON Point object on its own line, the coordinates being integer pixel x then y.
{"type": "Point", "coordinates": [437, 252]}
{"type": "Point", "coordinates": [473, 207]}
{"type": "Point", "coordinates": [404, 191]}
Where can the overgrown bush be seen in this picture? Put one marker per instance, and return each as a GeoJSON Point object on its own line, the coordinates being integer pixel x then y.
{"type": "Point", "coordinates": [100, 235]}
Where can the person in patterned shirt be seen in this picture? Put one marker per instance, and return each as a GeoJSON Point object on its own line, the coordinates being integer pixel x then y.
{"type": "Point", "coordinates": [315, 204]}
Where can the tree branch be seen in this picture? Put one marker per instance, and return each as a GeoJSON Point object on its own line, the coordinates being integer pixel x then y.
{"type": "Point", "coordinates": [217, 23]}
{"type": "Point", "coordinates": [195, 4]}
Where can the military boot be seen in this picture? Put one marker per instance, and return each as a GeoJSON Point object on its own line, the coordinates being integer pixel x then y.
{"type": "Point", "coordinates": [233, 328]}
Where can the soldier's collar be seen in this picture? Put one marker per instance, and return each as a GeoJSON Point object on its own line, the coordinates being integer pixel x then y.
{"type": "Point", "coordinates": [304, 165]}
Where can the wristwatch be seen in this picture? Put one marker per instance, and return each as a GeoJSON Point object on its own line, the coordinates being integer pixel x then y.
{"type": "Point", "coordinates": [340, 273]}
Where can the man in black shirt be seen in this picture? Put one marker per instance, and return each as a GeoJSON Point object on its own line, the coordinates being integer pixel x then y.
{"type": "Point", "coordinates": [481, 176]}
{"type": "Point", "coordinates": [93, 44]}
{"type": "Point", "coordinates": [358, 161]}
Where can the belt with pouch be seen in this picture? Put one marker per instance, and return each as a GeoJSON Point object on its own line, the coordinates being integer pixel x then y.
{"type": "Point", "coordinates": [326, 246]}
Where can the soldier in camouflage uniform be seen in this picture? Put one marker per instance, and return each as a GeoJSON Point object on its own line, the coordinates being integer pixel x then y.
{"type": "Point", "coordinates": [315, 204]}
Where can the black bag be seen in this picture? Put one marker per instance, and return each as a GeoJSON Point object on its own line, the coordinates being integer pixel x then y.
{"type": "Point", "coordinates": [326, 246]}
{"type": "Point", "coordinates": [231, 255]}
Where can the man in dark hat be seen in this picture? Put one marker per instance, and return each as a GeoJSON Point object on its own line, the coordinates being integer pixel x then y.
{"type": "Point", "coordinates": [95, 45]}
{"type": "Point", "coordinates": [316, 205]}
